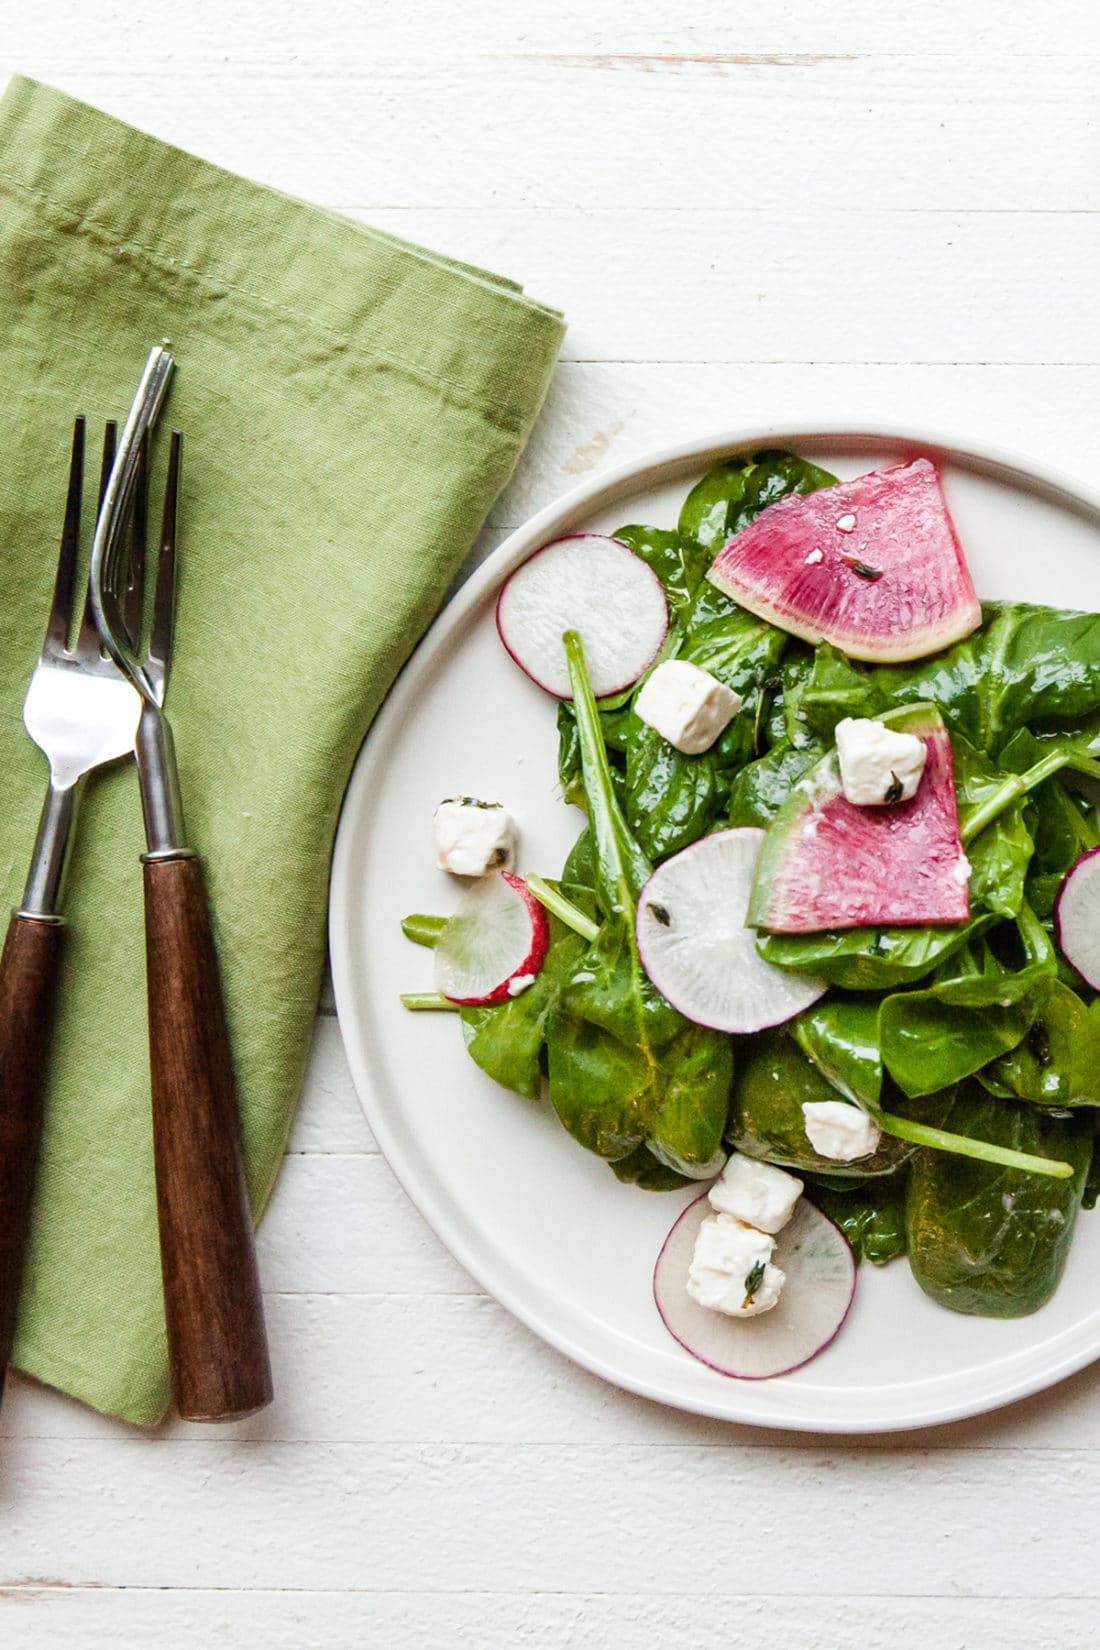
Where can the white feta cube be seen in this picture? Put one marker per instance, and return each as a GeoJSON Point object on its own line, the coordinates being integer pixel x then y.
{"type": "Point", "coordinates": [840, 1131]}
{"type": "Point", "coordinates": [757, 1193]}
{"type": "Point", "coordinates": [877, 764]}
{"type": "Point", "coordinates": [731, 1269]}
{"type": "Point", "coordinates": [687, 706]}
{"type": "Point", "coordinates": [473, 837]}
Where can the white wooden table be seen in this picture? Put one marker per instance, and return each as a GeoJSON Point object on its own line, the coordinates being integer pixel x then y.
{"type": "Point", "coordinates": [751, 214]}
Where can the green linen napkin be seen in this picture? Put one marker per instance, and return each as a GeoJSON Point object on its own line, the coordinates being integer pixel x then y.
{"type": "Point", "coordinates": [352, 405]}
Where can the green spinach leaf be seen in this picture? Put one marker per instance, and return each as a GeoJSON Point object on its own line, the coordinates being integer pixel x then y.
{"type": "Point", "coordinates": [976, 1009]}
{"type": "Point", "coordinates": [507, 1040]}
{"type": "Point", "coordinates": [642, 1169]}
{"type": "Point", "coordinates": [871, 1214]}
{"type": "Point", "coordinates": [1024, 665]}
{"type": "Point", "coordinates": [625, 1069]}
{"type": "Point", "coordinates": [670, 799]}
{"type": "Point", "coordinates": [734, 491]}
{"type": "Point", "coordinates": [1058, 1062]}
{"type": "Point", "coordinates": [774, 1081]}
{"type": "Point", "coordinates": [871, 959]}
{"type": "Point", "coordinates": [1063, 825]}
{"type": "Point", "coordinates": [678, 562]}
{"type": "Point", "coordinates": [761, 788]}
{"type": "Point", "coordinates": [990, 1240]}
{"type": "Point", "coordinates": [841, 1036]}
{"type": "Point", "coordinates": [1000, 855]}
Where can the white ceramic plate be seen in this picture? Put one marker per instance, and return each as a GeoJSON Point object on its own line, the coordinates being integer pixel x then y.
{"type": "Point", "coordinates": [539, 1222]}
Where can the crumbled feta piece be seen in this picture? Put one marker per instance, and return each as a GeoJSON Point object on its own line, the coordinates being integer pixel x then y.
{"type": "Point", "coordinates": [473, 837]}
{"type": "Point", "coordinates": [877, 764]}
{"type": "Point", "coordinates": [757, 1193]}
{"type": "Point", "coordinates": [846, 524]}
{"type": "Point", "coordinates": [814, 557]}
{"type": "Point", "coordinates": [519, 983]}
{"type": "Point", "coordinates": [731, 1268]}
{"type": "Point", "coordinates": [840, 1131]}
{"type": "Point", "coordinates": [687, 706]}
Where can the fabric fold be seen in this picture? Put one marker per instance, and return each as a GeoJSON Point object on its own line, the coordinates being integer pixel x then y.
{"type": "Point", "coordinates": [351, 407]}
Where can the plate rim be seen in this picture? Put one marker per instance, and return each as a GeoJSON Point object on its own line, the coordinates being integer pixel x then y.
{"type": "Point", "coordinates": [656, 466]}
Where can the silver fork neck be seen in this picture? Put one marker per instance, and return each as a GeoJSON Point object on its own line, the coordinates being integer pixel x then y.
{"type": "Point", "coordinates": [49, 862]}
{"type": "Point", "coordinates": [159, 783]}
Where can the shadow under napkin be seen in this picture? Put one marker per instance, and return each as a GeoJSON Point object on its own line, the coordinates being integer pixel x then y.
{"type": "Point", "coordinates": [351, 407]}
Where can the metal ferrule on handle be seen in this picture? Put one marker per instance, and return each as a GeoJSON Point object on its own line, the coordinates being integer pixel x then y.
{"type": "Point", "coordinates": [158, 779]}
{"type": "Point", "coordinates": [46, 878]}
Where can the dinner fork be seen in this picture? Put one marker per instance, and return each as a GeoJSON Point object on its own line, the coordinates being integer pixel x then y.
{"type": "Point", "coordinates": [213, 1306]}
{"type": "Point", "coordinates": [81, 712]}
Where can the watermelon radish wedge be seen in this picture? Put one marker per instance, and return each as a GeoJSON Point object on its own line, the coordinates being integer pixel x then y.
{"type": "Point", "coordinates": [827, 863]}
{"type": "Point", "coordinates": [694, 945]}
{"type": "Point", "coordinates": [873, 566]}
{"type": "Point", "coordinates": [494, 944]}
{"type": "Point", "coordinates": [594, 585]}
{"type": "Point", "coordinates": [1075, 917]}
{"type": "Point", "coordinates": [821, 1280]}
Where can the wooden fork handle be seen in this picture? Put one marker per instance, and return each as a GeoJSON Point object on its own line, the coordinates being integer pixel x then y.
{"type": "Point", "coordinates": [29, 967]}
{"type": "Point", "coordinates": [216, 1339]}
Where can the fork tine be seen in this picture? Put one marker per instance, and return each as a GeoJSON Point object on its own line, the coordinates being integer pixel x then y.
{"type": "Point", "coordinates": [87, 641]}
{"type": "Point", "coordinates": [164, 596]}
{"type": "Point", "coordinates": [61, 613]}
{"type": "Point", "coordinates": [133, 604]}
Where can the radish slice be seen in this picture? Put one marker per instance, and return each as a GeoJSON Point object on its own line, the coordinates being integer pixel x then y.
{"type": "Point", "coordinates": [592, 584]}
{"type": "Point", "coordinates": [495, 943]}
{"type": "Point", "coordinates": [821, 1280]}
{"type": "Point", "coordinates": [694, 944]}
{"type": "Point", "coordinates": [1075, 917]}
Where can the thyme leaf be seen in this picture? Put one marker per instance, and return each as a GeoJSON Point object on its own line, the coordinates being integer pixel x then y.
{"type": "Point", "coordinates": [752, 1284]}
{"type": "Point", "coordinates": [861, 567]}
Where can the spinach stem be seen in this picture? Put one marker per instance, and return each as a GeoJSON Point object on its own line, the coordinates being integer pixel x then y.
{"type": "Point", "coordinates": [421, 929]}
{"type": "Point", "coordinates": [1033, 936]}
{"type": "Point", "coordinates": [621, 867]}
{"type": "Point", "coordinates": [562, 908]}
{"type": "Point", "coordinates": [1018, 784]}
{"type": "Point", "coordinates": [428, 1000]}
{"type": "Point", "coordinates": [963, 1146]}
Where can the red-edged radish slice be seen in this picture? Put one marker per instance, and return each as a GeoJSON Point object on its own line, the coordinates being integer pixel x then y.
{"type": "Point", "coordinates": [495, 943]}
{"type": "Point", "coordinates": [821, 1280]}
{"type": "Point", "coordinates": [1076, 911]}
{"type": "Point", "coordinates": [597, 586]}
{"type": "Point", "coordinates": [694, 944]}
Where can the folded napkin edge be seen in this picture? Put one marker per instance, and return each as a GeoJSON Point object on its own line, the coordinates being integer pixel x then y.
{"type": "Point", "coordinates": [65, 158]}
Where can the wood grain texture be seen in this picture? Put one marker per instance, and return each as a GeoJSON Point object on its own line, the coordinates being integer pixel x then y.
{"type": "Point", "coordinates": [754, 215]}
{"type": "Point", "coordinates": [28, 989]}
{"type": "Point", "coordinates": [425, 1517]}
{"type": "Point", "coordinates": [692, 131]}
{"type": "Point", "coordinates": [58, 1618]}
{"type": "Point", "coordinates": [29, 967]}
{"type": "Point", "coordinates": [216, 1341]}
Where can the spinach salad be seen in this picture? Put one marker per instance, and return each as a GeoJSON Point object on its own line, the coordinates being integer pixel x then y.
{"type": "Point", "coordinates": [972, 1045]}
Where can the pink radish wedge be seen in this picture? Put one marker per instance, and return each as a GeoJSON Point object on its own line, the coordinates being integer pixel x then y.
{"type": "Point", "coordinates": [694, 945]}
{"type": "Point", "coordinates": [597, 586]}
{"type": "Point", "coordinates": [821, 1281]}
{"type": "Point", "coordinates": [1076, 911]}
{"type": "Point", "coordinates": [495, 943]}
{"type": "Point", "coordinates": [830, 864]}
{"type": "Point", "coordinates": [872, 565]}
